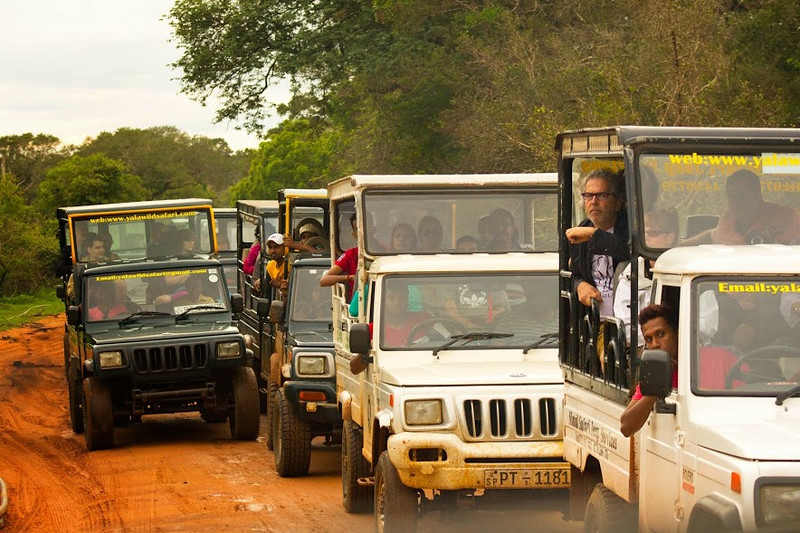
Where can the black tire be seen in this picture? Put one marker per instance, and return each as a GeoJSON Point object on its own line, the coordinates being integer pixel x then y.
{"type": "Point", "coordinates": [291, 439]}
{"type": "Point", "coordinates": [272, 390]}
{"type": "Point", "coordinates": [66, 354]}
{"type": "Point", "coordinates": [605, 512]}
{"type": "Point", "coordinates": [214, 417]}
{"type": "Point", "coordinates": [98, 414]}
{"type": "Point", "coordinates": [355, 498]}
{"type": "Point", "coordinates": [75, 387]}
{"type": "Point", "coordinates": [245, 416]}
{"type": "Point", "coordinates": [396, 505]}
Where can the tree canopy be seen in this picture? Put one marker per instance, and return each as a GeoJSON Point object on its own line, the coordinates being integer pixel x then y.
{"type": "Point", "coordinates": [476, 86]}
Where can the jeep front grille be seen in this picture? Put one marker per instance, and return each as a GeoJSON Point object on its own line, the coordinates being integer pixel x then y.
{"type": "Point", "coordinates": [515, 419]}
{"type": "Point", "coordinates": [170, 358]}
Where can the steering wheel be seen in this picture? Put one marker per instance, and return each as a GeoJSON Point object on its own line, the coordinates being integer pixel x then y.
{"type": "Point", "coordinates": [771, 353]}
{"type": "Point", "coordinates": [429, 323]}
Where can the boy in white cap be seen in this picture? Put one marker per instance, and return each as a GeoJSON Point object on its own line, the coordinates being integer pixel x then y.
{"type": "Point", "coordinates": [277, 267]}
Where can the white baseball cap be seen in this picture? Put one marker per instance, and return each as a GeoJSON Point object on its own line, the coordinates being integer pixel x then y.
{"type": "Point", "coordinates": [277, 238]}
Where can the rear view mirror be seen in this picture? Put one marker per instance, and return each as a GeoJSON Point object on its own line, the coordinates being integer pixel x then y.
{"type": "Point", "coordinates": [360, 341]}
{"type": "Point", "coordinates": [655, 374]}
{"type": "Point", "coordinates": [276, 311]}
{"type": "Point", "coordinates": [237, 303]}
{"type": "Point", "coordinates": [73, 315]}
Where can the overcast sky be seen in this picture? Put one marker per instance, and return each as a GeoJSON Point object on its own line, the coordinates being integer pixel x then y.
{"type": "Point", "coordinates": [76, 68]}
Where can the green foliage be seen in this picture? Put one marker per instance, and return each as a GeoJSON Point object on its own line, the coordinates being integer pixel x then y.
{"type": "Point", "coordinates": [295, 155]}
{"type": "Point", "coordinates": [26, 308]}
{"type": "Point", "coordinates": [95, 179]}
{"type": "Point", "coordinates": [28, 157]}
{"type": "Point", "coordinates": [27, 247]}
{"type": "Point", "coordinates": [475, 86]}
{"type": "Point", "coordinates": [172, 164]}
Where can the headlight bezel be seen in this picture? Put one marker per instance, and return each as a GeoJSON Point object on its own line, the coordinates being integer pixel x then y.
{"type": "Point", "coordinates": [764, 500]}
{"type": "Point", "coordinates": [299, 355]}
{"type": "Point", "coordinates": [312, 365]}
{"type": "Point", "coordinates": [109, 359]}
{"type": "Point", "coordinates": [419, 412]}
{"type": "Point", "coordinates": [228, 350]}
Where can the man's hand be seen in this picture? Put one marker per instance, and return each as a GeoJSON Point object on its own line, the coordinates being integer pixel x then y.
{"type": "Point", "coordinates": [587, 291]}
{"type": "Point", "coordinates": [580, 234]}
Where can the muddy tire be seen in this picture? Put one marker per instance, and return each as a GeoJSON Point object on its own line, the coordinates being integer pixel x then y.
{"type": "Point", "coordinates": [396, 505]}
{"type": "Point", "coordinates": [75, 387]}
{"type": "Point", "coordinates": [272, 390]}
{"type": "Point", "coordinates": [98, 414]}
{"type": "Point", "coordinates": [605, 512]}
{"type": "Point", "coordinates": [355, 498]}
{"type": "Point", "coordinates": [291, 439]}
{"type": "Point", "coordinates": [214, 417]}
{"type": "Point", "coordinates": [245, 416]}
{"type": "Point", "coordinates": [66, 354]}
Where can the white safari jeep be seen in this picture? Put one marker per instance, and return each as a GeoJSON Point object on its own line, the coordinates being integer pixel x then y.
{"type": "Point", "coordinates": [447, 366]}
{"type": "Point", "coordinates": [712, 216]}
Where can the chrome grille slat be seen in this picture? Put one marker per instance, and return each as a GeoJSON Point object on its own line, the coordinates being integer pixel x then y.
{"type": "Point", "coordinates": [510, 418]}
{"type": "Point", "coordinates": [157, 360]}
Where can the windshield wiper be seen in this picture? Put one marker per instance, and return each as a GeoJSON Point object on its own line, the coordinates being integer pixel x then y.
{"type": "Point", "coordinates": [469, 337]}
{"type": "Point", "coordinates": [540, 340]}
{"type": "Point", "coordinates": [137, 314]}
{"type": "Point", "coordinates": [205, 306]}
{"type": "Point", "coordinates": [785, 395]}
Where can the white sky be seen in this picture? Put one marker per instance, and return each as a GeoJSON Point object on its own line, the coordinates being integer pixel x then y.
{"type": "Point", "coordinates": [76, 68]}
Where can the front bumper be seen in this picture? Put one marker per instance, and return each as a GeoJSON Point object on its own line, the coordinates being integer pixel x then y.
{"type": "Point", "coordinates": [445, 462]}
{"type": "Point", "coordinates": [315, 410]}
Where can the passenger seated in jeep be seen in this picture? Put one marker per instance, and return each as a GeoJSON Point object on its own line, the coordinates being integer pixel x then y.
{"type": "Point", "coordinates": [398, 321]}
{"type": "Point", "coordinates": [108, 299]}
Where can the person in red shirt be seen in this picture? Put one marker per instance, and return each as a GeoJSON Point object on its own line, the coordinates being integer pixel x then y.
{"type": "Point", "coordinates": [659, 325]}
{"type": "Point", "coordinates": [398, 321]}
{"type": "Point", "coordinates": [345, 267]}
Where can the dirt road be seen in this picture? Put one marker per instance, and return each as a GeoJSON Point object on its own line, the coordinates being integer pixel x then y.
{"type": "Point", "coordinates": [170, 473]}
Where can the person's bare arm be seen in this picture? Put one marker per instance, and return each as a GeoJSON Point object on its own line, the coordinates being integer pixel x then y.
{"type": "Point", "coordinates": [580, 234]}
{"type": "Point", "coordinates": [333, 276]}
{"type": "Point", "coordinates": [635, 415]}
{"type": "Point", "coordinates": [587, 291]}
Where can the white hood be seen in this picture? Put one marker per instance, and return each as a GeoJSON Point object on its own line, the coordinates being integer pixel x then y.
{"type": "Point", "coordinates": [768, 440]}
{"type": "Point", "coordinates": [443, 373]}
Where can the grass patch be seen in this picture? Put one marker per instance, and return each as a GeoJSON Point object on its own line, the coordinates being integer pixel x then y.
{"type": "Point", "coordinates": [23, 309]}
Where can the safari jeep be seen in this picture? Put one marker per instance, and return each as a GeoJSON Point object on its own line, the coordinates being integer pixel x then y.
{"type": "Point", "coordinates": [447, 371]}
{"type": "Point", "coordinates": [157, 337]}
{"type": "Point", "coordinates": [721, 450]}
{"type": "Point", "coordinates": [304, 393]}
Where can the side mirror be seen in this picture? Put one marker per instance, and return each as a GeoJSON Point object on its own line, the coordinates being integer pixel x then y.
{"type": "Point", "coordinates": [276, 311]}
{"type": "Point", "coordinates": [360, 341]}
{"type": "Point", "coordinates": [262, 307]}
{"type": "Point", "coordinates": [73, 315]}
{"type": "Point", "coordinates": [655, 374]}
{"type": "Point", "coordinates": [61, 292]}
{"type": "Point", "coordinates": [237, 303]}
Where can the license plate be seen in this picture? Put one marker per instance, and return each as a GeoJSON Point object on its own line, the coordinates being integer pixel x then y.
{"type": "Point", "coordinates": [527, 478]}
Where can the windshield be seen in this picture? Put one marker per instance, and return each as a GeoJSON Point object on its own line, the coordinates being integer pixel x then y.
{"type": "Point", "coordinates": [699, 198]}
{"type": "Point", "coordinates": [467, 221]}
{"type": "Point", "coordinates": [117, 296]}
{"type": "Point", "coordinates": [424, 312]}
{"type": "Point", "coordinates": [747, 335]}
{"type": "Point", "coordinates": [141, 234]}
{"type": "Point", "coordinates": [310, 302]}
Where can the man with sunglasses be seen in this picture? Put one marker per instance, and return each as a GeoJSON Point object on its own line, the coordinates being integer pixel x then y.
{"type": "Point", "coordinates": [599, 242]}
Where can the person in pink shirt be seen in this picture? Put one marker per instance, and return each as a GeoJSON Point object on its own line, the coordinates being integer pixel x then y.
{"type": "Point", "coordinates": [252, 255]}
